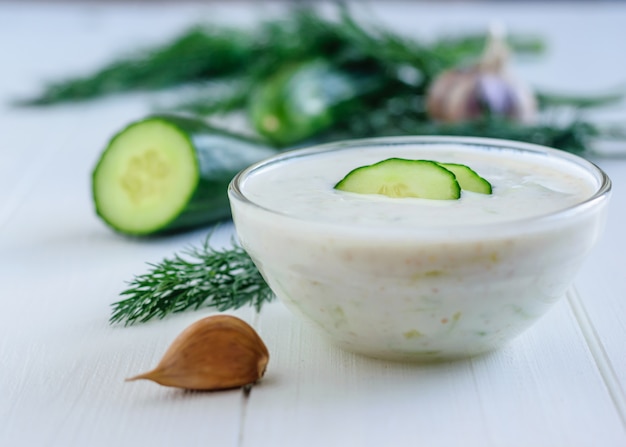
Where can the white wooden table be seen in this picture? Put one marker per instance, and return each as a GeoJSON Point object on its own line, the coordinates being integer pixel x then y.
{"type": "Point", "coordinates": [62, 366]}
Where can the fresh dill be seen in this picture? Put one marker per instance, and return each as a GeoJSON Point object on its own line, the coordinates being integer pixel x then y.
{"type": "Point", "coordinates": [209, 53]}
{"type": "Point", "coordinates": [224, 279]}
{"type": "Point", "coordinates": [224, 68]}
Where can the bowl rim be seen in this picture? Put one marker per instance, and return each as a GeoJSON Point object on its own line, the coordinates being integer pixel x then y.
{"type": "Point", "coordinates": [601, 194]}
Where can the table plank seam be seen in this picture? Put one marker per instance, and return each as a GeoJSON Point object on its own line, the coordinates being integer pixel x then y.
{"type": "Point", "coordinates": [600, 356]}
{"type": "Point", "coordinates": [245, 395]}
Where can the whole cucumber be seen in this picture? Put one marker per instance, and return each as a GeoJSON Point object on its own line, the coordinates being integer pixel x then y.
{"type": "Point", "coordinates": [165, 174]}
{"type": "Point", "coordinates": [302, 100]}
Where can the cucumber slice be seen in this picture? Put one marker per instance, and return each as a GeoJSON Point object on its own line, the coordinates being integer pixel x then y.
{"type": "Point", "coordinates": [468, 178]}
{"type": "Point", "coordinates": [166, 173]}
{"type": "Point", "coordinates": [399, 177]}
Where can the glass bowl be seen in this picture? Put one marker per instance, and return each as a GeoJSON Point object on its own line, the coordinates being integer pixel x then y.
{"type": "Point", "coordinates": [460, 280]}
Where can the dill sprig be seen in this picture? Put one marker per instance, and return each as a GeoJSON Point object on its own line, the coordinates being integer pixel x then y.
{"type": "Point", "coordinates": [224, 279]}
{"type": "Point", "coordinates": [553, 100]}
{"type": "Point", "coordinates": [197, 55]}
{"type": "Point", "coordinates": [576, 136]}
{"type": "Point", "coordinates": [208, 53]}
{"type": "Point", "coordinates": [224, 67]}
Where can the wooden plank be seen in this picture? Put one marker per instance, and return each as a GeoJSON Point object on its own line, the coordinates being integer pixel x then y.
{"type": "Point", "coordinates": [529, 393]}
{"type": "Point", "coordinates": [63, 366]}
{"type": "Point", "coordinates": [601, 308]}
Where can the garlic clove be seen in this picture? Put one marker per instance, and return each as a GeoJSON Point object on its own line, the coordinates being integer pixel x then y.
{"type": "Point", "coordinates": [505, 96]}
{"type": "Point", "coordinates": [214, 353]}
{"type": "Point", "coordinates": [446, 97]}
{"type": "Point", "coordinates": [486, 88]}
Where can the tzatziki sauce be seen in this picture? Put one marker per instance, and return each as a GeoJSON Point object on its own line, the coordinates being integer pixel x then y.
{"type": "Point", "coordinates": [419, 279]}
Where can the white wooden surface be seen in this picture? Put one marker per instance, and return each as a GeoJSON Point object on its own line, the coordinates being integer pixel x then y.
{"type": "Point", "coordinates": [62, 367]}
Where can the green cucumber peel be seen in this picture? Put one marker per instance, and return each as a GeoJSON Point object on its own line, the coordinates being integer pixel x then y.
{"type": "Point", "coordinates": [424, 179]}
{"type": "Point", "coordinates": [399, 177]}
{"type": "Point", "coordinates": [165, 174]}
{"type": "Point", "coordinates": [468, 178]}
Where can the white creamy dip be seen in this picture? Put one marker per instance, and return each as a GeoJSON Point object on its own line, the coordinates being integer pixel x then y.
{"type": "Point", "coordinates": [420, 279]}
{"type": "Point", "coordinates": [524, 185]}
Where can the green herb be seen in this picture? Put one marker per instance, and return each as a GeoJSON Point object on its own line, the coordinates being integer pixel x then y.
{"type": "Point", "coordinates": [267, 72]}
{"type": "Point", "coordinates": [576, 137]}
{"type": "Point", "coordinates": [225, 279]}
{"type": "Point", "coordinates": [197, 55]}
{"type": "Point", "coordinates": [550, 100]}
{"type": "Point", "coordinates": [209, 53]}
{"type": "Point", "coordinates": [231, 69]}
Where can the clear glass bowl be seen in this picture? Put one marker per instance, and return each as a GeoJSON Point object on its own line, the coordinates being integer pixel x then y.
{"type": "Point", "coordinates": [423, 292]}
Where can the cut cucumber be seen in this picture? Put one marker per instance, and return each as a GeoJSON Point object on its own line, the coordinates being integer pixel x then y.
{"type": "Point", "coordinates": [167, 173]}
{"type": "Point", "coordinates": [468, 178]}
{"type": "Point", "coordinates": [399, 177]}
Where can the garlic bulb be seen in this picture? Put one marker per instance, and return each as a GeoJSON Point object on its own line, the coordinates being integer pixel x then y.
{"type": "Point", "coordinates": [214, 353]}
{"type": "Point", "coordinates": [463, 94]}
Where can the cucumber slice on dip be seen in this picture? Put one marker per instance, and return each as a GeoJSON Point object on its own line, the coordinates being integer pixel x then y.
{"type": "Point", "coordinates": [399, 178]}
{"type": "Point", "coordinates": [468, 178]}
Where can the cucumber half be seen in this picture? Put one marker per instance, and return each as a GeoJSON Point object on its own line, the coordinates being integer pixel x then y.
{"type": "Point", "coordinates": [166, 173]}
{"type": "Point", "coordinates": [399, 177]}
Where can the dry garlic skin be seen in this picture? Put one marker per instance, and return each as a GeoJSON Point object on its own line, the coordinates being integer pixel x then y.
{"type": "Point", "coordinates": [460, 95]}
{"type": "Point", "coordinates": [413, 278]}
{"type": "Point", "coordinates": [217, 352]}
{"type": "Point", "coordinates": [486, 88]}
